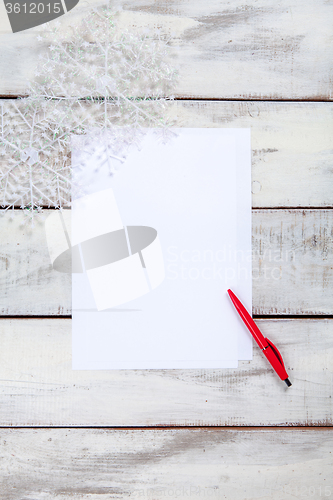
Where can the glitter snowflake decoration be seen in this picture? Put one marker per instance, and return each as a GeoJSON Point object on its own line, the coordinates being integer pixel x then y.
{"type": "Point", "coordinates": [96, 83]}
{"type": "Point", "coordinates": [34, 164]}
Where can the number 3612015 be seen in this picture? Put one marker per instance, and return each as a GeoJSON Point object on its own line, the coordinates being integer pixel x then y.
{"type": "Point", "coordinates": [33, 8]}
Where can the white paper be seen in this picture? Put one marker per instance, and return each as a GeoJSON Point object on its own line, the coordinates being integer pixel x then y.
{"type": "Point", "coordinates": [194, 194]}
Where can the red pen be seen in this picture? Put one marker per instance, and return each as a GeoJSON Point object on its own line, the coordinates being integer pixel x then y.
{"type": "Point", "coordinates": [267, 347]}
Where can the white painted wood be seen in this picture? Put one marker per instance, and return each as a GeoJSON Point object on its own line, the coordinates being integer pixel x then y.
{"type": "Point", "coordinates": [35, 288]}
{"type": "Point", "coordinates": [261, 50]}
{"type": "Point", "coordinates": [292, 146]}
{"type": "Point", "coordinates": [254, 50]}
{"type": "Point", "coordinates": [292, 266]}
{"type": "Point", "coordinates": [5, 26]}
{"type": "Point", "coordinates": [39, 388]}
{"type": "Point", "coordinates": [88, 464]}
{"type": "Point", "coordinates": [292, 261]}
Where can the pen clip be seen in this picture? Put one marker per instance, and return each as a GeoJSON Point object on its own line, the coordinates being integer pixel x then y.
{"type": "Point", "coordinates": [275, 350]}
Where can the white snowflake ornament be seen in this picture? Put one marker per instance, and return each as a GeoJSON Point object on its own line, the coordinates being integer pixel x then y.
{"type": "Point", "coordinates": [34, 165]}
{"type": "Point", "coordinates": [95, 83]}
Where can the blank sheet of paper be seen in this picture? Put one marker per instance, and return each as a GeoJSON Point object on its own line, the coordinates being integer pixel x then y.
{"type": "Point", "coordinates": [159, 243]}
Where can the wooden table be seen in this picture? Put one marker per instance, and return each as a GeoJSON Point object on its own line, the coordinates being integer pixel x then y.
{"type": "Point", "coordinates": [237, 433]}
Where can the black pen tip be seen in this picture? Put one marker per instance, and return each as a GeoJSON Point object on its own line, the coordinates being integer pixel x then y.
{"type": "Point", "coordinates": [287, 381]}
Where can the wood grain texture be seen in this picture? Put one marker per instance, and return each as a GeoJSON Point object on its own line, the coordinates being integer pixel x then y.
{"type": "Point", "coordinates": [292, 266]}
{"type": "Point", "coordinates": [39, 388]}
{"type": "Point", "coordinates": [292, 261]}
{"type": "Point", "coordinates": [258, 50]}
{"type": "Point", "coordinates": [292, 146]}
{"type": "Point", "coordinates": [23, 251]}
{"type": "Point", "coordinates": [261, 50]}
{"type": "Point", "coordinates": [100, 464]}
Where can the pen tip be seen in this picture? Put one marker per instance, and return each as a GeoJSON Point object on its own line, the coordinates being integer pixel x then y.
{"type": "Point", "coordinates": [287, 381]}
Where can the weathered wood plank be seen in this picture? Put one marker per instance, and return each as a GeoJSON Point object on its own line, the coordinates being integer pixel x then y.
{"type": "Point", "coordinates": [292, 146]}
{"type": "Point", "coordinates": [292, 266]}
{"type": "Point", "coordinates": [292, 261]}
{"type": "Point", "coordinates": [39, 388]}
{"type": "Point", "coordinates": [202, 463]}
{"type": "Point", "coordinates": [28, 284]}
{"type": "Point", "coordinates": [257, 50]}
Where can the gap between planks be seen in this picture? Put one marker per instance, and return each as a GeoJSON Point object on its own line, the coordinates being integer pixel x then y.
{"type": "Point", "coordinates": [326, 207]}
{"type": "Point", "coordinates": [254, 316]}
{"type": "Point", "coordinates": [177, 427]}
{"type": "Point", "coordinates": [210, 99]}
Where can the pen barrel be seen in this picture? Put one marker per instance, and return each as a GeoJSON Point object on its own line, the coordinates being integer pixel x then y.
{"type": "Point", "coordinates": [250, 324]}
{"type": "Point", "coordinates": [277, 365]}
{"type": "Point", "coordinates": [256, 333]}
